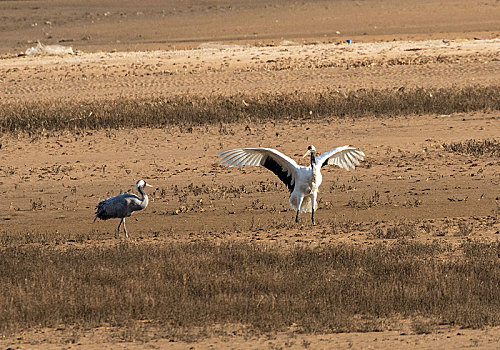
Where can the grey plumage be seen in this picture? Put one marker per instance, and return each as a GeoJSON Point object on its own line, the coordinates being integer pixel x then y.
{"type": "Point", "coordinates": [123, 205]}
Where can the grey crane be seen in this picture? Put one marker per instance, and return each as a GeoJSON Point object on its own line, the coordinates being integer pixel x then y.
{"type": "Point", "coordinates": [123, 205]}
{"type": "Point", "coordinates": [302, 181]}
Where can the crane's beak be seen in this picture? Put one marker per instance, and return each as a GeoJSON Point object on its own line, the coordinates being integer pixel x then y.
{"type": "Point", "coordinates": [148, 185]}
{"type": "Point", "coordinates": [307, 152]}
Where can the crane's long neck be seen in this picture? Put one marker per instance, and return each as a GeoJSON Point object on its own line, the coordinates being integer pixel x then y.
{"type": "Point", "coordinates": [314, 167]}
{"type": "Point", "coordinates": [313, 159]}
{"type": "Point", "coordinates": [144, 197]}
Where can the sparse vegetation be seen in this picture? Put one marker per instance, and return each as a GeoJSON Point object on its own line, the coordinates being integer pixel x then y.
{"type": "Point", "coordinates": [365, 202]}
{"type": "Point", "coordinates": [266, 287]}
{"type": "Point", "coordinates": [464, 229]}
{"type": "Point", "coordinates": [423, 326]}
{"type": "Point", "coordinates": [190, 111]}
{"type": "Point", "coordinates": [475, 147]}
{"type": "Point", "coordinates": [399, 230]}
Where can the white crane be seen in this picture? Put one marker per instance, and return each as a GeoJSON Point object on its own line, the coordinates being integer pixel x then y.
{"type": "Point", "coordinates": [302, 181]}
{"type": "Point", "coordinates": [123, 205]}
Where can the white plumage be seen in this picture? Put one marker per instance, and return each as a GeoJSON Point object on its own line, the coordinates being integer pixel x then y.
{"type": "Point", "coordinates": [302, 181]}
{"type": "Point", "coordinates": [123, 205]}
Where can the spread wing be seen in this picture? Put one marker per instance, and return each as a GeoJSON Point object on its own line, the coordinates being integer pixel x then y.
{"type": "Point", "coordinates": [346, 157]}
{"type": "Point", "coordinates": [284, 167]}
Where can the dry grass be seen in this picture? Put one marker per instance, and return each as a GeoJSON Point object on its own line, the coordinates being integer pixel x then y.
{"type": "Point", "coordinates": [192, 110]}
{"type": "Point", "coordinates": [266, 287]}
{"type": "Point", "coordinates": [399, 230]}
{"type": "Point", "coordinates": [475, 147]}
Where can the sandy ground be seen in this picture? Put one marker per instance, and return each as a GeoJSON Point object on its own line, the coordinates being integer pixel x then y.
{"type": "Point", "coordinates": [228, 69]}
{"type": "Point", "coordinates": [51, 184]}
{"type": "Point", "coordinates": [415, 178]}
{"type": "Point", "coordinates": [441, 338]}
{"type": "Point", "coordinates": [170, 24]}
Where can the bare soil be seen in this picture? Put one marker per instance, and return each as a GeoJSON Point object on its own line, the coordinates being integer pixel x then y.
{"type": "Point", "coordinates": [233, 338]}
{"type": "Point", "coordinates": [228, 70]}
{"type": "Point", "coordinates": [152, 24]}
{"type": "Point", "coordinates": [50, 184]}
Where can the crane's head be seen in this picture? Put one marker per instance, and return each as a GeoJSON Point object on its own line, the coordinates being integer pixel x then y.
{"type": "Point", "coordinates": [142, 184]}
{"type": "Point", "coordinates": [310, 150]}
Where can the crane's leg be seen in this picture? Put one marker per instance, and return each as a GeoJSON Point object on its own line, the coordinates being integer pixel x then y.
{"type": "Point", "coordinates": [125, 228]}
{"type": "Point", "coordinates": [313, 203]}
{"type": "Point", "coordinates": [299, 204]}
{"type": "Point", "coordinates": [118, 229]}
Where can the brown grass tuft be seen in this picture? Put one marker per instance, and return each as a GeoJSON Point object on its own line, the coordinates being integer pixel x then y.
{"type": "Point", "coordinates": [399, 230]}
{"type": "Point", "coordinates": [194, 110]}
{"type": "Point", "coordinates": [475, 147]}
{"type": "Point", "coordinates": [266, 287]}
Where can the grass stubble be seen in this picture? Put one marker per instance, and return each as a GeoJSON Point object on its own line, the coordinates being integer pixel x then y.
{"type": "Point", "coordinates": [267, 288]}
{"type": "Point", "coordinates": [189, 111]}
{"type": "Point", "coordinates": [475, 148]}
